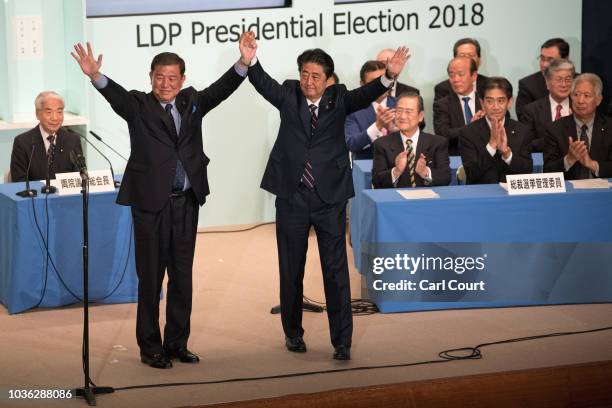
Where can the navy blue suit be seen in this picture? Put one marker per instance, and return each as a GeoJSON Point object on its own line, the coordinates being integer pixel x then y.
{"type": "Point", "coordinates": [356, 131]}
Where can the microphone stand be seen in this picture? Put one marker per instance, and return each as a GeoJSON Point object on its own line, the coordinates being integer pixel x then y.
{"type": "Point", "coordinates": [89, 390]}
{"type": "Point", "coordinates": [28, 192]}
{"type": "Point", "coordinates": [116, 182]}
{"type": "Point", "coordinates": [48, 188]}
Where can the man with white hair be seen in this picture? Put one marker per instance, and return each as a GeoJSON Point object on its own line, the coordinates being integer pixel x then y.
{"type": "Point", "coordinates": [48, 145]}
{"type": "Point", "coordinates": [580, 145]}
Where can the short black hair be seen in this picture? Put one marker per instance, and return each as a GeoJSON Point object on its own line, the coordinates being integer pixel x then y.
{"type": "Point", "coordinates": [370, 66]}
{"type": "Point", "coordinates": [497, 83]}
{"type": "Point", "coordinates": [560, 43]}
{"type": "Point", "coordinates": [336, 78]}
{"type": "Point", "coordinates": [317, 56]}
{"type": "Point", "coordinates": [464, 41]}
{"type": "Point", "coordinates": [412, 94]}
{"type": "Point", "coordinates": [168, 58]}
{"type": "Point", "coordinates": [473, 66]}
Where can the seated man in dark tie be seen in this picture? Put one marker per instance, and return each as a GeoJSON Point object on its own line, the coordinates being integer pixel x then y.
{"type": "Point", "coordinates": [495, 146]}
{"type": "Point", "coordinates": [462, 106]}
{"type": "Point", "coordinates": [554, 106]}
{"type": "Point", "coordinates": [465, 47]}
{"type": "Point", "coordinates": [580, 145]}
{"type": "Point", "coordinates": [533, 87]}
{"type": "Point", "coordinates": [410, 158]}
{"type": "Point", "coordinates": [48, 144]}
{"type": "Point", "coordinates": [363, 127]}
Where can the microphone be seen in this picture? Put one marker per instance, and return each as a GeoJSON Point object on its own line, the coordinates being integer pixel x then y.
{"type": "Point", "coordinates": [105, 144]}
{"type": "Point", "coordinates": [79, 162]}
{"type": "Point", "coordinates": [28, 192]}
{"type": "Point", "coordinates": [48, 188]}
{"type": "Point", "coordinates": [117, 183]}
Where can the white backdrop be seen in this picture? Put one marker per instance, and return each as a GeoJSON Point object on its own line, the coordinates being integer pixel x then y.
{"type": "Point", "coordinates": [238, 134]}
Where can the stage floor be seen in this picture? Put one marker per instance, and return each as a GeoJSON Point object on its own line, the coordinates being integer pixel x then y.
{"type": "Point", "coordinates": [235, 285]}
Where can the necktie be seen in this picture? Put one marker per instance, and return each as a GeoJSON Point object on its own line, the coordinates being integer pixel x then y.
{"type": "Point", "coordinates": [466, 110]}
{"type": "Point", "coordinates": [307, 176]}
{"type": "Point", "coordinates": [411, 160]}
{"type": "Point", "coordinates": [558, 114]}
{"type": "Point", "coordinates": [584, 172]}
{"type": "Point", "coordinates": [179, 174]}
{"type": "Point", "coordinates": [50, 150]}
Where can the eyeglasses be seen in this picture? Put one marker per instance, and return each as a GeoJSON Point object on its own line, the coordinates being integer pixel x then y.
{"type": "Point", "coordinates": [562, 80]}
{"type": "Point", "coordinates": [400, 111]}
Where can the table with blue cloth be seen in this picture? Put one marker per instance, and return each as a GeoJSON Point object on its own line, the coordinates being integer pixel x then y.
{"type": "Point", "coordinates": [31, 276]}
{"type": "Point", "coordinates": [362, 180]}
{"type": "Point", "coordinates": [476, 246]}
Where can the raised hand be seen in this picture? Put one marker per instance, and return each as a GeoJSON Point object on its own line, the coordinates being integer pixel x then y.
{"type": "Point", "coordinates": [502, 141]}
{"type": "Point", "coordinates": [576, 150]}
{"type": "Point", "coordinates": [421, 166]}
{"type": "Point", "coordinates": [89, 65]}
{"type": "Point", "coordinates": [248, 47]}
{"type": "Point", "coordinates": [478, 115]}
{"type": "Point", "coordinates": [384, 117]}
{"type": "Point", "coordinates": [494, 136]}
{"type": "Point", "coordinates": [396, 63]}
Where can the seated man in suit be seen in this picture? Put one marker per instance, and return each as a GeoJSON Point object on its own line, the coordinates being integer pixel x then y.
{"type": "Point", "coordinates": [533, 87]}
{"type": "Point", "coordinates": [363, 127]}
{"type": "Point", "coordinates": [462, 106]}
{"type": "Point", "coordinates": [410, 158]}
{"type": "Point", "coordinates": [554, 106]}
{"type": "Point", "coordinates": [465, 47]}
{"type": "Point", "coordinates": [48, 144]}
{"type": "Point", "coordinates": [580, 145]}
{"type": "Point", "coordinates": [495, 145]}
{"type": "Point", "coordinates": [398, 87]}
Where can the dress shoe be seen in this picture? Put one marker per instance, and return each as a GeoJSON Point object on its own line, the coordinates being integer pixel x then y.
{"type": "Point", "coordinates": [342, 352]}
{"type": "Point", "coordinates": [157, 360]}
{"type": "Point", "coordinates": [295, 344]}
{"type": "Point", "coordinates": [183, 355]}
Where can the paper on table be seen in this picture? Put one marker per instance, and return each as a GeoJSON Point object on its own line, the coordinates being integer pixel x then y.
{"type": "Point", "coordinates": [590, 183]}
{"type": "Point", "coordinates": [504, 186]}
{"type": "Point", "coordinates": [418, 194]}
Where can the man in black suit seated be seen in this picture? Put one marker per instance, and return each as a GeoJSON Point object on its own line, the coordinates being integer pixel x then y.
{"type": "Point", "coordinates": [580, 145]}
{"type": "Point", "coordinates": [495, 145]}
{"type": "Point", "coordinates": [165, 183]}
{"type": "Point", "coordinates": [310, 174]}
{"type": "Point", "coordinates": [533, 87]}
{"type": "Point", "coordinates": [410, 158]}
{"type": "Point", "coordinates": [554, 106]}
{"type": "Point", "coordinates": [462, 106]}
{"type": "Point", "coordinates": [465, 47]}
{"type": "Point", "coordinates": [49, 144]}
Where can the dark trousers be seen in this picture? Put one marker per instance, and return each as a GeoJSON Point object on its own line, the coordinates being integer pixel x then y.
{"type": "Point", "coordinates": [165, 240]}
{"type": "Point", "coordinates": [293, 220]}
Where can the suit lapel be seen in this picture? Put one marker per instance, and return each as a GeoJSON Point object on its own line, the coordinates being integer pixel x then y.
{"type": "Point", "coordinates": [423, 146]}
{"type": "Point", "coordinates": [159, 111]}
{"type": "Point", "coordinates": [598, 151]}
{"type": "Point", "coordinates": [304, 112]}
{"type": "Point", "coordinates": [456, 111]}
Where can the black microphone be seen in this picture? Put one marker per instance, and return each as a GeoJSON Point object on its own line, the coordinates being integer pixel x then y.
{"type": "Point", "coordinates": [116, 183]}
{"type": "Point", "coordinates": [28, 192]}
{"type": "Point", "coordinates": [105, 144]}
{"type": "Point", "coordinates": [79, 162]}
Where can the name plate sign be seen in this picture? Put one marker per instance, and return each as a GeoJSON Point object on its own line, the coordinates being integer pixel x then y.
{"type": "Point", "coordinates": [70, 183]}
{"type": "Point", "coordinates": [536, 183]}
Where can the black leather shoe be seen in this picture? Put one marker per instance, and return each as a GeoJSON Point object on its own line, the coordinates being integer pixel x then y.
{"type": "Point", "coordinates": [157, 360]}
{"type": "Point", "coordinates": [183, 355]}
{"type": "Point", "coordinates": [295, 344]}
{"type": "Point", "coordinates": [342, 352]}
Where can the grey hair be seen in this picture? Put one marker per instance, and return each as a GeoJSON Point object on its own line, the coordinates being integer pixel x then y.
{"type": "Point", "coordinates": [557, 65]}
{"type": "Point", "coordinates": [43, 96]}
{"type": "Point", "coordinates": [592, 78]}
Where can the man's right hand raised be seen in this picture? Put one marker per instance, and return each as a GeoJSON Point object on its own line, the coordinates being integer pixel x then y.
{"type": "Point", "coordinates": [89, 65]}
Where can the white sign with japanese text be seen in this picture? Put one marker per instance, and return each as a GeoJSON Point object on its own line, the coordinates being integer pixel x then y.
{"type": "Point", "coordinates": [70, 183]}
{"type": "Point", "coordinates": [538, 183]}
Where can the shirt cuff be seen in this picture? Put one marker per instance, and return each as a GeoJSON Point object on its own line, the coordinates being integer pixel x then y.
{"type": "Point", "coordinates": [509, 159]}
{"type": "Point", "coordinates": [491, 150]}
{"type": "Point", "coordinates": [373, 132]}
{"type": "Point", "coordinates": [428, 179]}
{"type": "Point", "coordinates": [566, 165]}
{"type": "Point", "coordinates": [101, 82]}
{"type": "Point", "coordinates": [393, 179]}
{"type": "Point", "coordinates": [596, 172]}
{"type": "Point", "coordinates": [240, 70]}
{"type": "Point", "coordinates": [386, 81]}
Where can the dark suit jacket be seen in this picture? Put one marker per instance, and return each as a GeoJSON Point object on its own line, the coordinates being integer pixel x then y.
{"type": "Point", "coordinates": [556, 146]}
{"type": "Point", "coordinates": [326, 150]}
{"type": "Point", "coordinates": [66, 142]}
{"type": "Point", "coordinates": [386, 149]}
{"type": "Point", "coordinates": [537, 116]}
{"type": "Point", "coordinates": [482, 168]}
{"type": "Point", "coordinates": [449, 119]}
{"type": "Point", "coordinates": [530, 88]}
{"type": "Point", "coordinates": [149, 174]}
{"type": "Point", "coordinates": [356, 131]}
{"type": "Point", "coordinates": [444, 88]}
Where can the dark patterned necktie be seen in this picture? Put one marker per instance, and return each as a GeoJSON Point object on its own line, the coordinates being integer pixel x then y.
{"type": "Point", "coordinates": [179, 175]}
{"type": "Point", "coordinates": [558, 113]}
{"type": "Point", "coordinates": [307, 176]}
{"type": "Point", "coordinates": [411, 159]}
{"type": "Point", "coordinates": [51, 149]}
{"type": "Point", "coordinates": [584, 172]}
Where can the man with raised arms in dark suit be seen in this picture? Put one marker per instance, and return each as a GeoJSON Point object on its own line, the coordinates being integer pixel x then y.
{"type": "Point", "coordinates": [554, 106]}
{"type": "Point", "coordinates": [465, 47]}
{"type": "Point", "coordinates": [533, 87]}
{"type": "Point", "coordinates": [310, 174]}
{"type": "Point", "coordinates": [164, 183]}
{"type": "Point", "coordinates": [495, 146]}
{"type": "Point", "coordinates": [363, 127]}
{"type": "Point", "coordinates": [580, 145]}
{"type": "Point", "coordinates": [410, 158]}
{"type": "Point", "coordinates": [462, 106]}
{"type": "Point", "coordinates": [49, 144]}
